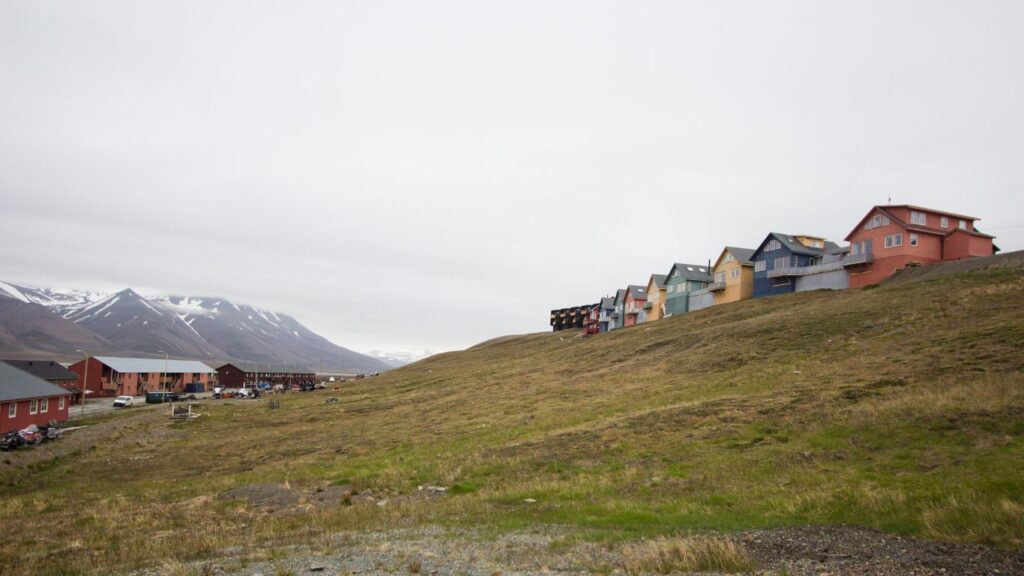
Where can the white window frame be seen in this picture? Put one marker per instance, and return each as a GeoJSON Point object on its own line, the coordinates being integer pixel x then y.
{"type": "Point", "coordinates": [918, 218]}
{"type": "Point", "coordinates": [944, 222]}
{"type": "Point", "coordinates": [12, 410]}
{"type": "Point", "coordinates": [783, 260]}
{"type": "Point", "coordinates": [913, 239]}
{"type": "Point", "coordinates": [33, 407]}
{"type": "Point", "coordinates": [894, 240]}
{"type": "Point", "coordinates": [44, 405]}
{"type": "Point", "coordinates": [963, 225]}
{"type": "Point", "coordinates": [760, 266]}
{"type": "Point", "coordinates": [60, 405]}
{"type": "Point", "coordinates": [735, 273]}
{"type": "Point", "coordinates": [719, 277]}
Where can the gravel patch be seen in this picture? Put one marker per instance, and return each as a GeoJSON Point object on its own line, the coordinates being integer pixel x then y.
{"type": "Point", "coordinates": [797, 551]}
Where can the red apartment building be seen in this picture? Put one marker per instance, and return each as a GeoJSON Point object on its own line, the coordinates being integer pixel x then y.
{"type": "Point", "coordinates": [112, 376]}
{"type": "Point", "coordinates": [889, 238]}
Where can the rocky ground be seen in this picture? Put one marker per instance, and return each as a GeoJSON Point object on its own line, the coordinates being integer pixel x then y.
{"type": "Point", "coordinates": [800, 551]}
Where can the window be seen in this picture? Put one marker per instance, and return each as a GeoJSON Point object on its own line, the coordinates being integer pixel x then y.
{"type": "Point", "coordinates": [720, 277]}
{"type": "Point", "coordinates": [44, 405]}
{"type": "Point", "coordinates": [919, 218]}
{"type": "Point", "coordinates": [963, 224]}
{"type": "Point", "coordinates": [944, 222]}
{"type": "Point", "coordinates": [854, 249]}
{"type": "Point", "coordinates": [760, 266]}
{"type": "Point", "coordinates": [33, 407]}
{"type": "Point", "coordinates": [728, 257]}
{"type": "Point", "coordinates": [877, 221]}
{"type": "Point", "coordinates": [894, 240]}
{"type": "Point", "coordinates": [913, 239]}
{"type": "Point", "coordinates": [772, 245]}
{"type": "Point", "coordinates": [735, 273]}
{"type": "Point", "coordinates": [670, 289]}
{"type": "Point", "coordinates": [781, 263]}
{"type": "Point", "coordinates": [60, 405]}
{"type": "Point", "coordinates": [12, 409]}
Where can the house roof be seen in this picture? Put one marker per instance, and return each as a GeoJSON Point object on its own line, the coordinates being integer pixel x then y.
{"type": "Point", "coordinates": [17, 384]}
{"type": "Point", "coordinates": [154, 365]}
{"type": "Point", "coordinates": [743, 255]}
{"type": "Point", "coordinates": [634, 291]}
{"type": "Point", "coordinates": [794, 246]}
{"type": "Point", "coordinates": [608, 302]}
{"type": "Point", "coordinates": [659, 280]}
{"type": "Point", "coordinates": [248, 367]}
{"type": "Point", "coordinates": [915, 227]}
{"type": "Point", "coordinates": [695, 272]}
{"type": "Point", "coordinates": [620, 295]}
{"type": "Point", "coordinates": [45, 369]}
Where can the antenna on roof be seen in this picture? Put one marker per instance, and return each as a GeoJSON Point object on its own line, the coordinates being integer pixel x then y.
{"type": "Point", "coordinates": [889, 201]}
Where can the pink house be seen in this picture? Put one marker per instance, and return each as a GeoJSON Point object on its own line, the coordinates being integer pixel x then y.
{"type": "Point", "coordinates": [892, 237]}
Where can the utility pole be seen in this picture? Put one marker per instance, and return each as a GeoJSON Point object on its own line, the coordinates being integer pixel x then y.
{"type": "Point", "coordinates": [85, 380]}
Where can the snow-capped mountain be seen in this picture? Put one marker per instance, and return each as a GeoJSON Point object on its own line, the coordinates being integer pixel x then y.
{"type": "Point", "coordinates": [397, 358]}
{"type": "Point", "coordinates": [204, 328]}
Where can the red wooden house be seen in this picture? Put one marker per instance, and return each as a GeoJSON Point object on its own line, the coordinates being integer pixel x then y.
{"type": "Point", "coordinates": [892, 237]}
{"type": "Point", "coordinates": [633, 303]}
{"type": "Point", "coordinates": [26, 399]}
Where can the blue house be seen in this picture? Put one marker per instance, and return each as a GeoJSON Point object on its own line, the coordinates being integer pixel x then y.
{"type": "Point", "coordinates": [681, 280]}
{"type": "Point", "coordinates": [785, 263]}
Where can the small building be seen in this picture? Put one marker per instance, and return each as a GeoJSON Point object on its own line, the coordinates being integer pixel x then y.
{"type": "Point", "coordinates": [569, 318]}
{"type": "Point", "coordinates": [248, 375]}
{"type": "Point", "coordinates": [889, 238]}
{"type": "Point", "coordinates": [26, 399]}
{"type": "Point", "coordinates": [51, 371]}
{"type": "Point", "coordinates": [115, 376]}
{"type": "Point", "coordinates": [655, 307]}
{"type": "Point", "coordinates": [618, 317]}
{"type": "Point", "coordinates": [681, 280]}
{"type": "Point", "coordinates": [591, 323]}
{"type": "Point", "coordinates": [633, 301]}
{"type": "Point", "coordinates": [785, 263]}
{"type": "Point", "coordinates": [605, 322]}
{"type": "Point", "coordinates": [734, 275]}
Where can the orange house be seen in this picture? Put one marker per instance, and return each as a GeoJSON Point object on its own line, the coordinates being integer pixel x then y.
{"type": "Point", "coordinates": [889, 238]}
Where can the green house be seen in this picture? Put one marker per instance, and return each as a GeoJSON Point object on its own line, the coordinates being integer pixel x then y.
{"type": "Point", "coordinates": [681, 280]}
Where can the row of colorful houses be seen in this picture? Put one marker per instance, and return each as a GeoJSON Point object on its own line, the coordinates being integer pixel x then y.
{"type": "Point", "coordinates": [888, 238]}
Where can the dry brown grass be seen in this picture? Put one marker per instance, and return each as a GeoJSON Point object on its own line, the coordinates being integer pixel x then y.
{"type": "Point", "coordinates": [698, 554]}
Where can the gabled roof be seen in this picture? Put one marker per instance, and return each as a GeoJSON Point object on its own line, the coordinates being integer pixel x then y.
{"type": "Point", "coordinates": [154, 365]}
{"type": "Point", "coordinates": [248, 368]}
{"type": "Point", "coordinates": [695, 272]}
{"type": "Point", "coordinates": [16, 384]}
{"type": "Point", "coordinates": [742, 255]}
{"type": "Point", "coordinates": [795, 247]}
{"type": "Point", "coordinates": [45, 369]}
{"type": "Point", "coordinates": [659, 281]}
{"type": "Point", "coordinates": [904, 224]}
{"type": "Point", "coordinates": [620, 295]}
{"type": "Point", "coordinates": [608, 302]}
{"type": "Point", "coordinates": [634, 291]}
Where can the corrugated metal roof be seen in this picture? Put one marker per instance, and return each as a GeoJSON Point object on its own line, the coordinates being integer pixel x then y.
{"type": "Point", "coordinates": [45, 369]}
{"type": "Point", "coordinates": [249, 367]}
{"type": "Point", "coordinates": [155, 365]}
{"type": "Point", "coordinates": [16, 384]}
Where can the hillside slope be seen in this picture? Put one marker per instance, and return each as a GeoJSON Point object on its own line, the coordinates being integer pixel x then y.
{"type": "Point", "coordinates": [900, 408]}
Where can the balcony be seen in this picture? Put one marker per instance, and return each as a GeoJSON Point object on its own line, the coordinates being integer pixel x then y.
{"type": "Point", "coordinates": [805, 270]}
{"type": "Point", "coordinates": [649, 306]}
{"type": "Point", "coordinates": [853, 260]}
{"type": "Point", "coordinates": [716, 286]}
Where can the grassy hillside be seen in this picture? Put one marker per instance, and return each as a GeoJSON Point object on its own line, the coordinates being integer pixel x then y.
{"type": "Point", "coordinates": [899, 407]}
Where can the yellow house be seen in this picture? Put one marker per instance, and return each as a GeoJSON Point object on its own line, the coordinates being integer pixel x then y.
{"type": "Point", "coordinates": [734, 275]}
{"type": "Point", "coordinates": [654, 309]}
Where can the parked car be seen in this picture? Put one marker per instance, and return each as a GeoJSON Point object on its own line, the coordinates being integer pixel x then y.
{"type": "Point", "coordinates": [123, 402]}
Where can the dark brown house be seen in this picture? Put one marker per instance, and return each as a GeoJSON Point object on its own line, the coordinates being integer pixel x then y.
{"type": "Point", "coordinates": [248, 374]}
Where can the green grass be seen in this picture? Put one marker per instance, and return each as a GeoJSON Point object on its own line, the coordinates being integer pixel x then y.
{"type": "Point", "coordinates": [900, 407]}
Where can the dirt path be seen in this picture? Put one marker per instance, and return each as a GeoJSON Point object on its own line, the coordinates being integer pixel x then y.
{"type": "Point", "coordinates": [802, 551]}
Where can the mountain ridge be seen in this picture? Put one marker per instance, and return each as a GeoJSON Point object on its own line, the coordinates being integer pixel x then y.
{"type": "Point", "coordinates": [214, 329]}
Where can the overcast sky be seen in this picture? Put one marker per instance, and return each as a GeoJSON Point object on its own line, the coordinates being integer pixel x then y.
{"type": "Point", "coordinates": [428, 175]}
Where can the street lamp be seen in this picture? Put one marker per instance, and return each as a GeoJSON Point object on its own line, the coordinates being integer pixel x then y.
{"type": "Point", "coordinates": [163, 383]}
{"type": "Point", "coordinates": [85, 379]}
